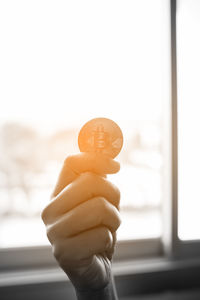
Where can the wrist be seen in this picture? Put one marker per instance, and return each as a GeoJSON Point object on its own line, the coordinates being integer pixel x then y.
{"type": "Point", "coordinates": [106, 293]}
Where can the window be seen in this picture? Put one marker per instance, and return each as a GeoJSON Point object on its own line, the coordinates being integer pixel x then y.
{"type": "Point", "coordinates": [188, 49]}
{"type": "Point", "coordinates": [63, 63]}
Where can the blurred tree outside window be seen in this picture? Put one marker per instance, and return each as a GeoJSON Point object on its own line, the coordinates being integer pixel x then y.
{"type": "Point", "coordinates": [62, 64]}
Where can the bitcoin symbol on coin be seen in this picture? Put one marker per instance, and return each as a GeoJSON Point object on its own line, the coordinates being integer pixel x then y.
{"type": "Point", "coordinates": [101, 135]}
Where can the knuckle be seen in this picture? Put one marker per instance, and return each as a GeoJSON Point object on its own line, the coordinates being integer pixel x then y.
{"type": "Point", "coordinates": [50, 233]}
{"type": "Point", "coordinates": [102, 204]}
{"type": "Point", "coordinates": [88, 178]}
{"type": "Point", "coordinates": [44, 215]}
{"type": "Point", "coordinates": [57, 252]}
{"type": "Point", "coordinates": [106, 236]}
{"type": "Point", "coordinates": [118, 221]}
{"type": "Point", "coordinates": [99, 206]}
{"type": "Point", "coordinates": [117, 194]}
{"type": "Point", "coordinates": [63, 254]}
{"type": "Point", "coordinates": [60, 251]}
{"type": "Point", "coordinates": [69, 160]}
{"type": "Point", "coordinates": [111, 217]}
{"type": "Point", "coordinates": [47, 214]}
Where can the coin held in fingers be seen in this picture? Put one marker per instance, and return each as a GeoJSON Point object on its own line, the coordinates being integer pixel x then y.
{"type": "Point", "coordinates": [101, 135]}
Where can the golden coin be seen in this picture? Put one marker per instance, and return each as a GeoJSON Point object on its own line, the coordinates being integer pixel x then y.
{"type": "Point", "coordinates": [101, 135]}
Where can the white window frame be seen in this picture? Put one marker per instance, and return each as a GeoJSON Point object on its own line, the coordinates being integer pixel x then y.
{"type": "Point", "coordinates": [180, 249]}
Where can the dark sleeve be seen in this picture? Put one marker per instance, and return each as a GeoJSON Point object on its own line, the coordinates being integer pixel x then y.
{"type": "Point", "coordinates": [107, 293]}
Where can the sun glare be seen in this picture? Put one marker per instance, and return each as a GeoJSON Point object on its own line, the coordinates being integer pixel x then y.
{"type": "Point", "coordinates": [62, 64]}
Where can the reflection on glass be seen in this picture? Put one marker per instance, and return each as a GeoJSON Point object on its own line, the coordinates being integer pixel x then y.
{"type": "Point", "coordinates": [188, 49]}
{"type": "Point", "coordinates": [77, 62]}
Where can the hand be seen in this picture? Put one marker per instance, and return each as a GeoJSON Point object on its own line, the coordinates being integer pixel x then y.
{"type": "Point", "coordinates": [82, 219]}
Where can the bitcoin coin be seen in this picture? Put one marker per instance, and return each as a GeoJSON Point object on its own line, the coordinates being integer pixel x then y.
{"type": "Point", "coordinates": [101, 135]}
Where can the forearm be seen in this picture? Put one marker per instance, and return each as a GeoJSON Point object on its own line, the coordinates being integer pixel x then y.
{"type": "Point", "coordinates": [107, 293]}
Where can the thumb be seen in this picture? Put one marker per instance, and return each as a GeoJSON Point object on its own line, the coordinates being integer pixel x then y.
{"type": "Point", "coordinates": [74, 165]}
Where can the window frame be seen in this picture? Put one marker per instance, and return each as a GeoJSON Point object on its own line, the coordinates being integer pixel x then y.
{"type": "Point", "coordinates": [180, 249]}
{"type": "Point", "coordinates": [41, 256]}
{"type": "Point", "coordinates": [169, 245]}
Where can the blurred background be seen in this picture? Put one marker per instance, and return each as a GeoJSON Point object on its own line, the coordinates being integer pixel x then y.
{"type": "Point", "coordinates": [63, 63]}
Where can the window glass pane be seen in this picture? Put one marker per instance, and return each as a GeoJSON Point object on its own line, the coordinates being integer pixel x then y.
{"type": "Point", "coordinates": [61, 64]}
{"type": "Point", "coordinates": [188, 49]}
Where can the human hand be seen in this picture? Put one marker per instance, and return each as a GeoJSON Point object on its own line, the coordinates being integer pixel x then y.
{"type": "Point", "coordinates": [82, 219]}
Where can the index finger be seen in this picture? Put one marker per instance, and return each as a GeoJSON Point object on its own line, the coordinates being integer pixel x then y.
{"type": "Point", "coordinates": [74, 165]}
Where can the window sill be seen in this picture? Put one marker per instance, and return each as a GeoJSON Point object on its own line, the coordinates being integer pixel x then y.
{"type": "Point", "coordinates": [41, 257]}
{"type": "Point", "coordinates": [132, 277]}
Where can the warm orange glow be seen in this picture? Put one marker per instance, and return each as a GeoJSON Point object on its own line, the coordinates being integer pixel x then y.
{"type": "Point", "coordinates": [58, 73]}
